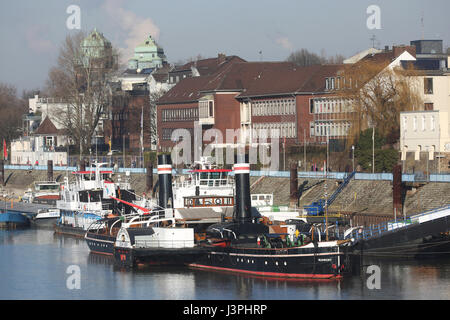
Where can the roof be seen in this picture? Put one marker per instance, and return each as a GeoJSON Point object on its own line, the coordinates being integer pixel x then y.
{"type": "Point", "coordinates": [208, 66]}
{"type": "Point", "coordinates": [185, 91]}
{"type": "Point", "coordinates": [252, 79]}
{"type": "Point", "coordinates": [290, 79]}
{"type": "Point", "coordinates": [47, 127]}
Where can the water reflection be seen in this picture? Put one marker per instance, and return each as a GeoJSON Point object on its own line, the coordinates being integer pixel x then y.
{"type": "Point", "coordinates": [34, 263]}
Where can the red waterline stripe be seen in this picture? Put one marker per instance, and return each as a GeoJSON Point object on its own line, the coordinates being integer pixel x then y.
{"type": "Point", "coordinates": [271, 274]}
{"type": "Point", "coordinates": [103, 253]}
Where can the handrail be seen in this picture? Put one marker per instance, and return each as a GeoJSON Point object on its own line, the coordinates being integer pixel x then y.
{"type": "Point", "coordinates": [383, 227]}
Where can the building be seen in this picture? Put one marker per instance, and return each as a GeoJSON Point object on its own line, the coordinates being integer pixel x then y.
{"type": "Point", "coordinates": [131, 114]}
{"type": "Point", "coordinates": [45, 143]}
{"type": "Point", "coordinates": [427, 128]}
{"type": "Point", "coordinates": [275, 96]}
{"type": "Point", "coordinates": [148, 56]}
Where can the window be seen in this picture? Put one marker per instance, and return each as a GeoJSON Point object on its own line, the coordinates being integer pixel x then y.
{"type": "Point", "coordinates": [327, 84]}
{"type": "Point", "coordinates": [428, 106]}
{"type": "Point", "coordinates": [311, 128]}
{"type": "Point", "coordinates": [211, 108]}
{"type": "Point", "coordinates": [428, 85]}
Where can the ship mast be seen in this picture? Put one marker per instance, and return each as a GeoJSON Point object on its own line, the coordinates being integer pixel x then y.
{"type": "Point", "coordinates": [326, 186]}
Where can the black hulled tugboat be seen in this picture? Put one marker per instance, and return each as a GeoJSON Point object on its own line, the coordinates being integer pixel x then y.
{"type": "Point", "coordinates": [155, 238]}
{"type": "Point", "coordinates": [247, 246]}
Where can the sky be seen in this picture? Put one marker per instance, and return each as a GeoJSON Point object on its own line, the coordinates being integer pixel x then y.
{"type": "Point", "coordinates": [32, 31]}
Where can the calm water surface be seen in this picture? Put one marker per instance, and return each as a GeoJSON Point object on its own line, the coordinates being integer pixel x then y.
{"type": "Point", "coordinates": [34, 264]}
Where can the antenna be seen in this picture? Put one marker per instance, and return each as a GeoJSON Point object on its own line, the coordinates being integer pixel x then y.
{"type": "Point", "coordinates": [423, 26]}
{"type": "Point", "coordinates": [373, 38]}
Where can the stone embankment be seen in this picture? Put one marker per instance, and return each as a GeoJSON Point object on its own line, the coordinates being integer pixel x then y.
{"type": "Point", "coordinates": [361, 196]}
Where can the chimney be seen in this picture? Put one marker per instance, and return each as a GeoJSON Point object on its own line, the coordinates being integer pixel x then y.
{"type": "Point", "coordinates": [165, 181]}
{"type": "Point", "coordinates": [243, 205]}
{"type": "Point", "coordinates": [398, 50]}
{"type": "Point", "coordinates": [221, 58]}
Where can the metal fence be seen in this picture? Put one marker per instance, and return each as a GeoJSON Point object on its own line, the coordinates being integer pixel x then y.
{"type": "Point", "coordinates": [417, 177]}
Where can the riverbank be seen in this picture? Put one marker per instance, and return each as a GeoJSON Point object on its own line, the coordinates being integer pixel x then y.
{"type": "Point", "coordinates": [373, 197]}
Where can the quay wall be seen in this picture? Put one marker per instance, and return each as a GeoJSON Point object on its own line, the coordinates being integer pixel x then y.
{"type": "Point", "coordinates": [361, 195]}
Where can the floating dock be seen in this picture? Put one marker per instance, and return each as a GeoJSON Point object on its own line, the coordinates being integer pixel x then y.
{"type": "Point", "coordinates": [422, 234]}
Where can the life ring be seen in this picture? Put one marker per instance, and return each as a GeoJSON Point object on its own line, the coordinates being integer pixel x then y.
{"type": "Point", "coordinates": [218, 201]}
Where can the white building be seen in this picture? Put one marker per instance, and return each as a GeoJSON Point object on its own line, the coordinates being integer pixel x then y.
{"type": "Point", "coordinates": [46, 143]}
{"type": "Point", "coordinates": [428, 129]}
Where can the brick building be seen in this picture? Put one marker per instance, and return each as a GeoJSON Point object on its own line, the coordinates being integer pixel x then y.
{"type": "Point", "coordinates": [248, 95]}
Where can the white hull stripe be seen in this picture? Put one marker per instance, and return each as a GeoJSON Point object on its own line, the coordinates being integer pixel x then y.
{"type": "Point", "coordinates": [92, 239]}
{"type": "Point", "coordinates": [280, 255]}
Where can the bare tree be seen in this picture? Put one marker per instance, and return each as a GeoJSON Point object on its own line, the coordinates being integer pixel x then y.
{"type": "Point", "coordinates": [80, 79]}
{"type": "Point", "coordinates": [154, 97]}
{"type": "Point", "coordinates": [11, 109]}
{"type": "Point", "coordinates": [305, 58]}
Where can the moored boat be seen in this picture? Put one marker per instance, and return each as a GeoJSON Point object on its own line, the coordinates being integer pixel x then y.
{"type": "Point", "coordinates": [13, 220]}
{"type": "Point", "coordinates": [46, 218]}
{"type": "Point", "coordinates": [245, 245]}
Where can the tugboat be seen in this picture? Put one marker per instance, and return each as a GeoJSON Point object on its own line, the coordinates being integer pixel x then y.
{"type": "Point", "coordinates": [204, 181]}
{"type": "Point", "coordinates": [155, 238]}
{"type": "Point", "coordinates": [90, 198]}
{"type": "Point", "coordinates": [245, 245]}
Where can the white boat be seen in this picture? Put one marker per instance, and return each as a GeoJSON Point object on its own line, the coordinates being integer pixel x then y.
{"type": "Point", "coordinates": [93, 196]}
{"type": "Point", "coordinates": [204, 180]}
{"type": "Point", "coordinates": [46, 217]}
{"type": "Point", "coordinates": [45, 192]}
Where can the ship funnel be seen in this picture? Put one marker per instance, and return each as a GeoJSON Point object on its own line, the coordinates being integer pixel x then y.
{"type": "Point", "coordinates": [243, 204]}
{"type": "Point", "coordinates": [165, 181]}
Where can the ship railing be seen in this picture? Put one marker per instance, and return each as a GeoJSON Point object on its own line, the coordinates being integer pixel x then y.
{"type": "Point", "coordinates": [164, 243]}
{"type": "Point", "coordinates": [365, 233]}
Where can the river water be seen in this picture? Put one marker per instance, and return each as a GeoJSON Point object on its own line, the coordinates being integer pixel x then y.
{"type": "Point", "coordinates": [36, 264]}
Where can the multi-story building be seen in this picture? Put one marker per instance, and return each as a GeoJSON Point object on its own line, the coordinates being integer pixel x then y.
{"type": "Point", "coordinates": [427, 128]}
{"type": "Point", "coordinates": [275, 96]}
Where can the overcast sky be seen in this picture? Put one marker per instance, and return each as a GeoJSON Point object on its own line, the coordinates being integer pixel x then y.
{"type": "Point", "coordinates": [32, 31]}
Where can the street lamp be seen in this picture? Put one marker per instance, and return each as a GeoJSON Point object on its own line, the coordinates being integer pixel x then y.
{"type": "Point", "coordinates": [353, 158]}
